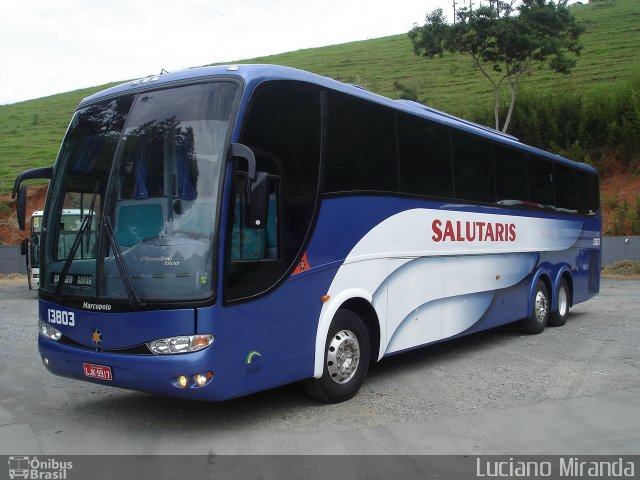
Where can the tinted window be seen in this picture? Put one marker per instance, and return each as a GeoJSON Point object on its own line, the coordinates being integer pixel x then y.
{"type": "Point", "coordinates": [564, 180]}
{"type": "Point", "coordinates": [361, 148]}
{"type": "Point", "coordinates": [588, 201]}
{"type": "Point", "coordinates": [511, 176]}
{"type": "Point", "coordinates": [425, 158]}
{"type": "Point", "coordinates": [283, 130]}
{"type": "Point", "coordinates": [473, 168]}
{"type": "Point", "coordinates": [540, 175]}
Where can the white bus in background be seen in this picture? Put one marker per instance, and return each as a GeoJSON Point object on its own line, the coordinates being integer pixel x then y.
{"type": "Point", "coordinates": [30, 248]}
{"type": "Point", "coordinates": [72, 220]}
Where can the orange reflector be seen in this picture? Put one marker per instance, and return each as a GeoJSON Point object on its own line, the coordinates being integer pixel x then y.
{"type": "Point", "coordinates": [325, 298]}
{"type": "Point", "coordinates": [497, 277]}
{"type": "Point", "coordinates": [209, 375]}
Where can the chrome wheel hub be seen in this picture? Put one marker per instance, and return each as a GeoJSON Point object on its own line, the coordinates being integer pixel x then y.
{"type": "Point", "coordinates": [562, 302]}
{"type": "Point", "coordinates": [541, 307]}
{"type": "Point", "coordinates": [343, 356]}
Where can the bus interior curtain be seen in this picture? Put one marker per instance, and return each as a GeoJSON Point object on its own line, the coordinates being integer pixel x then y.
{"type": "Point", "coordinates": [184, 156]}
{"type": "Point", "coordinates": [140, 191]}
{"type": "Point", "coordinates": [90, 147]}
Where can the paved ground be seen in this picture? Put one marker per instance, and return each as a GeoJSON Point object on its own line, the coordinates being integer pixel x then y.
{"type": "Point", "coordinates": [10, 259]}
{"type": "Point", "coordinates": [570, 390]}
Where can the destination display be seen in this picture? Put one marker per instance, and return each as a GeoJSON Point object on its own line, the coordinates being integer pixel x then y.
{"type": "Point", "coordinates": [74, 279]}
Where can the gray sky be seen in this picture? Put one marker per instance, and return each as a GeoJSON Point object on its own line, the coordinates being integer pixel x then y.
{"type": "Point", "coordinates": [53, 46]}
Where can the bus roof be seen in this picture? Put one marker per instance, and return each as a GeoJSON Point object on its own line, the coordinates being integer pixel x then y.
{"type": "Point", "coordinates": [252, 75]}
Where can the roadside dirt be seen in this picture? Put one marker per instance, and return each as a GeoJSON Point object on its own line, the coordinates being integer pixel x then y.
{"type": "Point", "coordinates": [616, 187]}
{"type": "Point", "coordinates": [622, 270]}
{"type": "Point", "coordinates": [13, 279]}
{"type": "Point", "coordinates": [10, 234]}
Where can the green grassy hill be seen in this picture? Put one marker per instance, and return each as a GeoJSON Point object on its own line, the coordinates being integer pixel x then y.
{"type": "Point", "coordinates": [30, 132]}
{"type": "Point", "coordinates": [611, 47]}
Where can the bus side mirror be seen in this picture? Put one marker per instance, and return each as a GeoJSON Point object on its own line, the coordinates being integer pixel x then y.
{"type": "Point", "coordinates": [257, 193]}
{"type": "Point", "coordinates": [21, 191]}
{"type": "Point", "coordinates": [239, 150]}
{"type": "Point", "coordinates": [21, 207]}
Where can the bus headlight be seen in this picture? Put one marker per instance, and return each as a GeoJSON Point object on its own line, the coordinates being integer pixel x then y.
{"type": "Point", "coordinates": [48, 331]}
{"type": "Point", "coordinates": [181, 344]}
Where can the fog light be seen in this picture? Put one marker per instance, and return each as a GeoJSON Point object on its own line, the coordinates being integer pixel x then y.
{"type": "Point", "coordinates": [182, 381]}
{"type": "Point", "coordinates": [46, 361]}
{"type": "Point", "coordinates": [201, 380]}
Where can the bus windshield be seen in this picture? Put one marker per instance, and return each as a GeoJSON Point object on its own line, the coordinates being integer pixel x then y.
{"type": "Point", "coordinates": [146, 169]}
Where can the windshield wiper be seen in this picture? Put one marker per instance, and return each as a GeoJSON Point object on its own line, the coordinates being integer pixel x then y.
{"type": "Point", "coordinates": [86, 223]}
{"type": "Point", "coordinates": [134, 300]}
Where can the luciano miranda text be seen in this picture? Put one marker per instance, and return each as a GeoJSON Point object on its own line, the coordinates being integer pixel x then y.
{"type": "Point", "coordinates": [568, 467]}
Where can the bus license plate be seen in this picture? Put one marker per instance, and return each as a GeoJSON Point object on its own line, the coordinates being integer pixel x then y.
{"type": "Point", "coordinates": [97, 371]}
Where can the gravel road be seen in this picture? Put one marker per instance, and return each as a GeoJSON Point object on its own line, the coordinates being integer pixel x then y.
{"type": "Point", "coordinates": [572, 389]}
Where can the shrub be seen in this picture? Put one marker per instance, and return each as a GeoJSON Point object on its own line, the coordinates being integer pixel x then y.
{"type": "Point", "coordinates": [583, 127]}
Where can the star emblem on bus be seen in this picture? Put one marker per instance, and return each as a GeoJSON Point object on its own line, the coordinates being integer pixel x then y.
{"type": "Point", "coordinates": [96, 337]}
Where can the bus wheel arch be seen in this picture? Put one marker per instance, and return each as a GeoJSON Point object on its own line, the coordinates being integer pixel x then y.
{"type": "Point", "coordinates": [368, 315]}
{"type": "Point", "coordinates": [355, 299]}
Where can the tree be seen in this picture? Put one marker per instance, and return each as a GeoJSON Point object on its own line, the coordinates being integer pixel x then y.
{"type": "Point", "coordinates": [505, 41]}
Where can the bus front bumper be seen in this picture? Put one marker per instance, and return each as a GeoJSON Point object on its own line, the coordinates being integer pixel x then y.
{"type": "Point", "coordinates": [171, 375]}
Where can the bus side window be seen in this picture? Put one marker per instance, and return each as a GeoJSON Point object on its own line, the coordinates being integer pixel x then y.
{"type": "Point", "coordinates": [283, 129]}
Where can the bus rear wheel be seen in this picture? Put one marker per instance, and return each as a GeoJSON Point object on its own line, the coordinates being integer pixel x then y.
{"type": "Point", "coordinates": [346, 360]}
{"type": "Point", "coordinates": [559, 317]}
{"type": "Point", "coordinates": [539, 315]}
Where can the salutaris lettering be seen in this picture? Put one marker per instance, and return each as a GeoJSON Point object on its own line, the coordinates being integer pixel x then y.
{"type": "Point", "coordinates": [457, 231]}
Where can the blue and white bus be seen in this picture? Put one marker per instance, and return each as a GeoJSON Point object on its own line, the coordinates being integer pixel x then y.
{"type": "Point", "coordinates": [258, 225]}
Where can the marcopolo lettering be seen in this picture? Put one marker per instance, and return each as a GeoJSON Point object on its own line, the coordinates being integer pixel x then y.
{"type": "Point", "coordinates": [457, 231]}
{"type": "Point", "coordinates": [96, 306]}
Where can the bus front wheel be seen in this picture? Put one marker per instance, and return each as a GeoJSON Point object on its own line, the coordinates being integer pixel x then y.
{"type": "Point", "coordinates": [346, 360]}
{"type": "Point", "coordinates": [539, 315]}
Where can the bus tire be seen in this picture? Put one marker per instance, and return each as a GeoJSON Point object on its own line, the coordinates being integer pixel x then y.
{"type": "Point", "coordinates": [559, 317]}
{"type": "Point", "coordinates": [346, 360]}
{"type": "Point", "coordinates": [539, 316]}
